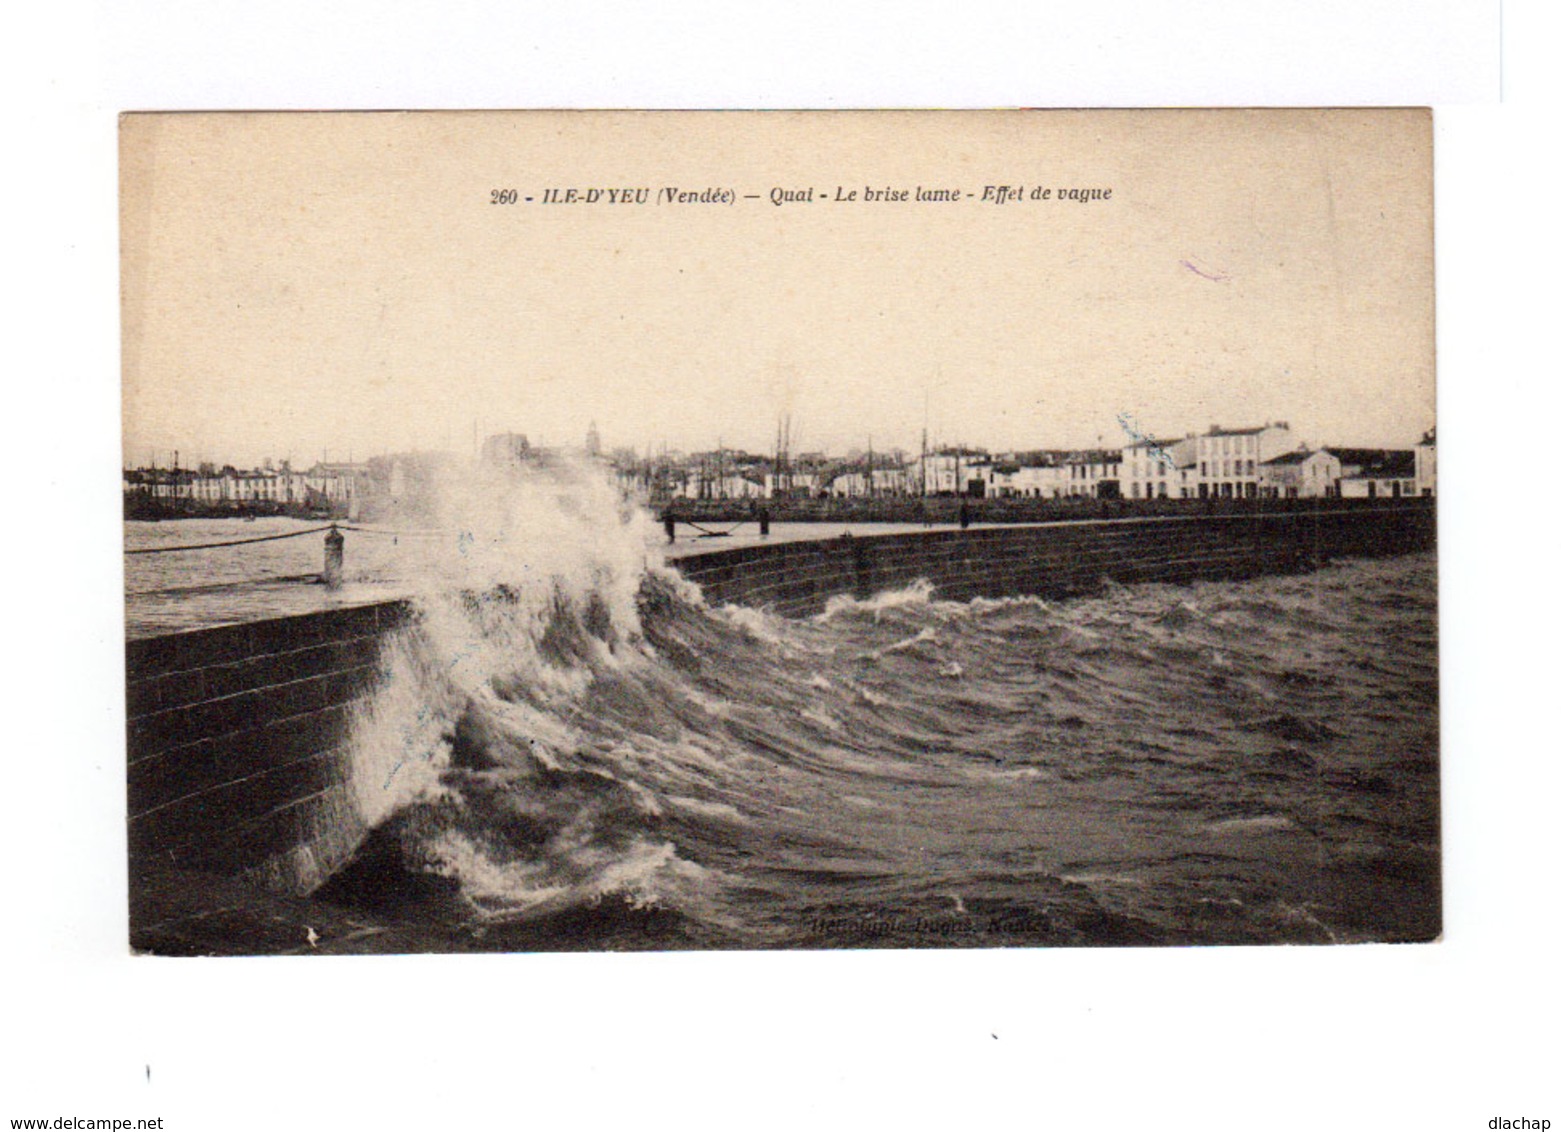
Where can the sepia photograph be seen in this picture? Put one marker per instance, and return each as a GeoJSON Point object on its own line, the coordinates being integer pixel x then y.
{"type": "Point", "coordinates": [750, 531]}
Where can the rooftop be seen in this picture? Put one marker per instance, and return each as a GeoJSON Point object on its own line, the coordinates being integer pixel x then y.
{"type": "Point", "coordinates": [1299, 456]}
{"type": "Point", "coordinates": [1216, 430]}
{"type": "Point", "coordinates": [1378, 463]}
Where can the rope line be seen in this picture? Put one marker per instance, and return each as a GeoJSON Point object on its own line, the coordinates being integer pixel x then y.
{"type": "Point", "coordinates": [431, 533]}
{"type": "Point", "coordinates": [705, 532]}
{"type": "Point", "coordinates": [231, 542]}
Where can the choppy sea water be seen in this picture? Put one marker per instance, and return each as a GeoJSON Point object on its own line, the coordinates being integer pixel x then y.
{"type": "Point", "coordinates": [1246, 762]}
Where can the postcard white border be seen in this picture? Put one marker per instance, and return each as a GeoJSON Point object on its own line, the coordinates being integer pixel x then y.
{"type": "Point", "coordinates": [1442, 1036]}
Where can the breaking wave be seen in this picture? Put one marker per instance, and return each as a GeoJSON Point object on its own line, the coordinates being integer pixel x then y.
{"type": "Point", "coordinates": [574, 750]}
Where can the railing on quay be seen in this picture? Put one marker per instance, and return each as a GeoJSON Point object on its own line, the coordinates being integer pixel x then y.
{"type": "Point", "coordinates": [929, 510]}
{"type": "Point", "coordinates": [335, 551]}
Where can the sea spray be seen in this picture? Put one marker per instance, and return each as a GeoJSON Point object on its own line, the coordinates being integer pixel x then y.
{"type": "Point", "coordinates": [556, 528]}
{"type": "Point", "coordinates": [468, 758]}
{"type": "Point", "coordinates": [518, 547]}
{"type": "Point", "coordinates": [398, 741]}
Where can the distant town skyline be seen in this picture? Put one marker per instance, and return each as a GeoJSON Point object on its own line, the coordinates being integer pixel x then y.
{"type": "Point", "coordinates": [192, 458]}
{"type": "Point", "coordinates": [297, 284]}
{"type": "Point", "coordinates": [1266, 462]}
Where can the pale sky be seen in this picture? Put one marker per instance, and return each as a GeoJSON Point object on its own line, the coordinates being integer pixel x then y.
{"type": "Point", "coordinates": [304, 283]}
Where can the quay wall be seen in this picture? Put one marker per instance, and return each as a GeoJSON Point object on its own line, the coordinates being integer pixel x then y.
{"type": "Point", "coordinates": [1058, 560]}
{"type": "Point", "coordinates": [237, 744]}
{"type": "Point", "coordinates": [238, 736]}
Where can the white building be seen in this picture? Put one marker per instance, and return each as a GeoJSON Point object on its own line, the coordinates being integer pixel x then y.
{"type": "Point", "coordinates": [1228, 458]}
{"type": "Point", "coordinates": [1302, 474]}
{"type": "Point", "coordinates": [1425, 464]}
{"type": "Point", "coordinates": [892, 481]}
{"type": "Point", "coordinates": [1187, 477]}
{"type": "Point", "coordinates": [1094, 474]}
{"type": "Point", "coordinates": [335, 485]}
{"type": "Point", "coordinates": [1153, 469]}
{"type": "Point", "coordinates": [1030, 475]}
{"type": "Point", "coordinates": [791, 485]}
{"type": "Point", "coordinates": [1041, 481]}
{"type": "Point", "coordinates": [721, 486]}
{"type": "Point", "coordinates": [1376, 473]}
{"type": "Point", "coordinates": [956, 471]}
{"type": "Point", "coordinates": [858, 484]}
{"type": "Point", "coordinates": [260, 486]}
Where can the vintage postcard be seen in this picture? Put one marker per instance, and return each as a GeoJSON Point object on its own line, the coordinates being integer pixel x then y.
{"type": "Point", "coordinates": [629, 530]}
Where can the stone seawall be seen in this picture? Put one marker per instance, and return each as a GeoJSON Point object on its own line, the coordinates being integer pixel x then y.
{"type": "Point", "coordinates": [1057, 560]}
{"type": "Point", "coordinates": [237, 736]}
{"type": "Point", "coordinates": [236, 743]}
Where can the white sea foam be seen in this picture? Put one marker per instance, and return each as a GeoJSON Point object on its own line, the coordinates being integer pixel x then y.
{"type": "Point", "coordinates": [1121, 879]}
{"type": "Point", "coordinates": [532, 558]}
{"type": "Point", "coordinates": [920, 637]}
{"type": "Point", "coordinates": [397, 739]}
{"type": "Point", "coordinates": [995, 604]}
{"type": "Point", "coordinates": [918, 593]}
{"type": "Point", "coordinates": [718, 811]}
{"type": "Point", "coordinates": [757, 623]}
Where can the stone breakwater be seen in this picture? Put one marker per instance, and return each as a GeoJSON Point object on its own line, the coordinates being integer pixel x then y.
{"type": "Point", "coordinates": [1056, 560]}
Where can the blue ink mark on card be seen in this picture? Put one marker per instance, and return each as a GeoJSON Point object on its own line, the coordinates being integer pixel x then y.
{"type": "Point", "coordinates": [1211, 276]}
{"type": "Point", "coordinates": [423, 714]}
{"type": "Point", "coordinates": [1136, 435]}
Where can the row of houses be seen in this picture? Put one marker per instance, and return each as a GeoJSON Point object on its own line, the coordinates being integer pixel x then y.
{"type": "Point", "coordinates": [1260, 462]}
{"type": "Point", "coordinates": [332, 488]}
{"type": "Point", "coordinates": [1269, 462]}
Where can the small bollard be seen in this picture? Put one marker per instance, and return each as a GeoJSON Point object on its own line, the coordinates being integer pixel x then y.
{"type": "Point", "coordinates": [334, 542]}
